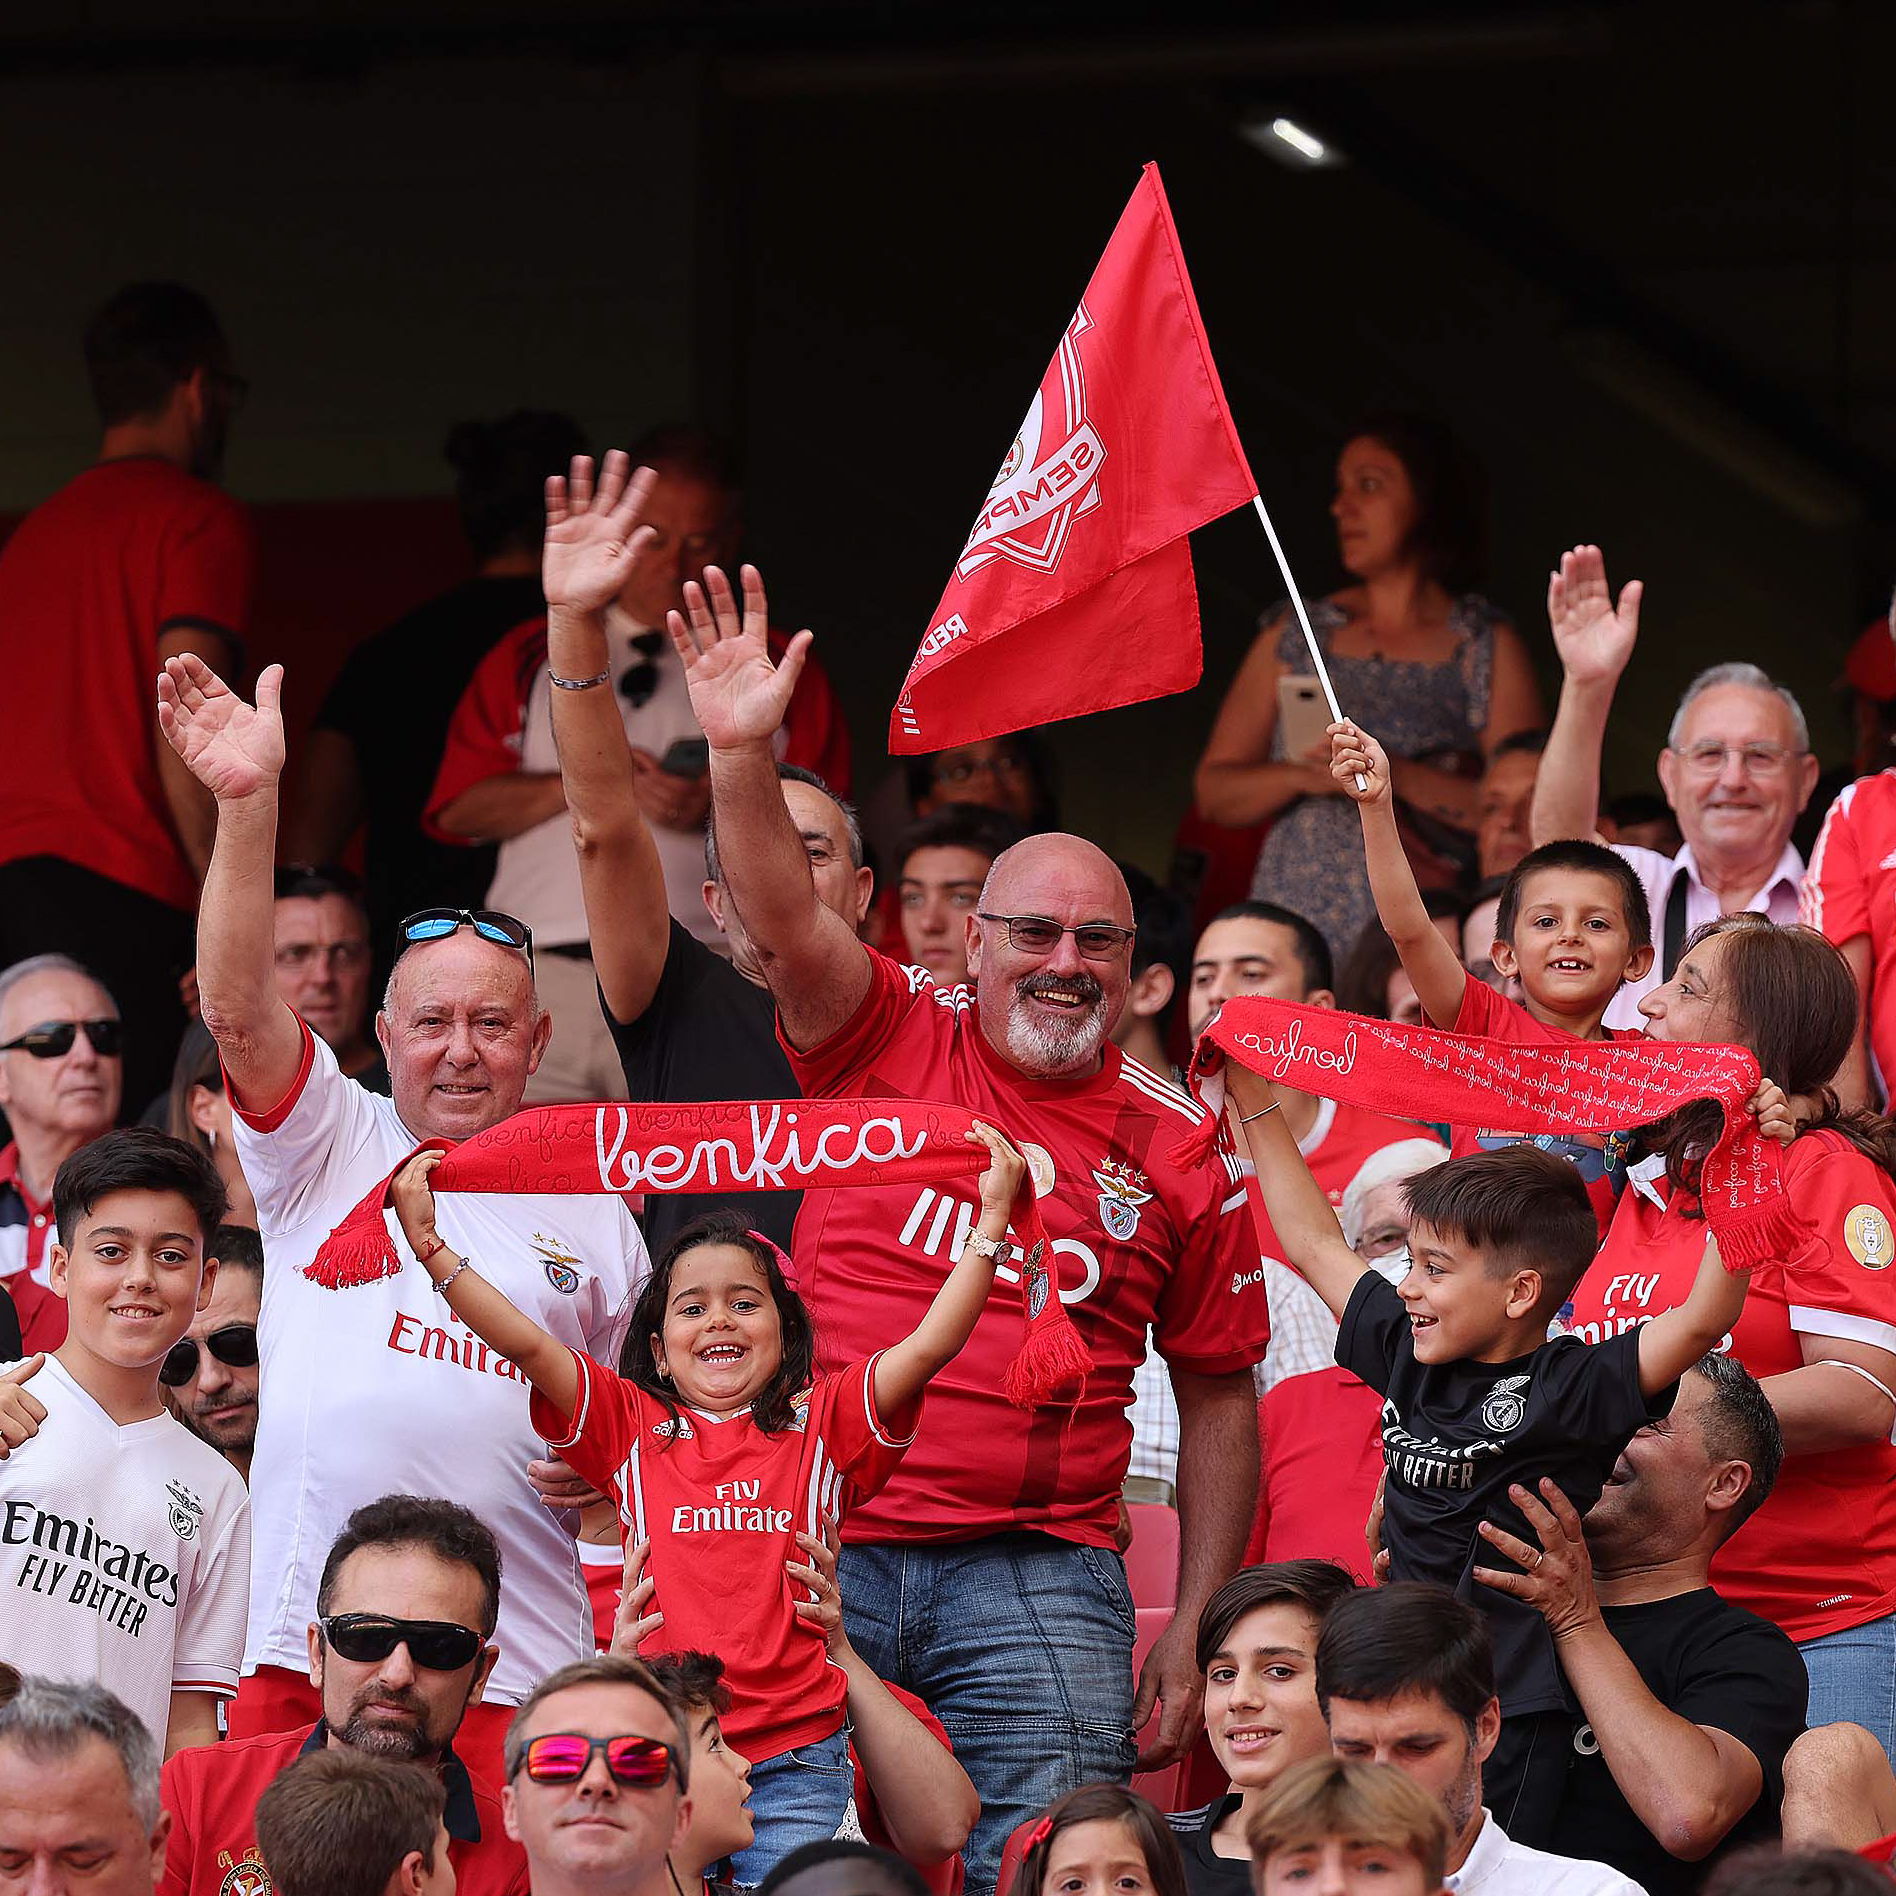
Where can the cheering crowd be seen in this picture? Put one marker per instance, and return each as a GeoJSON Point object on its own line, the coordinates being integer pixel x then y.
{"type": "Point", "coordinates": [1438, 1434]}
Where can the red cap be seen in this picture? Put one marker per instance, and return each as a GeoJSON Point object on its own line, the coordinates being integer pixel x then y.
{"type": "Point", "coordinates": [1871, 666]}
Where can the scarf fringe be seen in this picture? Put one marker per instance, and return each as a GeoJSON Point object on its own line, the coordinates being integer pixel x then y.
{"type": "Point", "coordinates": [1051, 1365]}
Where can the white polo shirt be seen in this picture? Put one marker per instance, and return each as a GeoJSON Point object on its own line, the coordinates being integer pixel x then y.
{"type": "Point", "coordinates": [380, 1389]}
{"type": "Point", "coordinates": [1777, 900]}
{"type": "Point", "coordinates": [1498, 1866]}
{"type": "Point", "coordinates": [124, 1553]}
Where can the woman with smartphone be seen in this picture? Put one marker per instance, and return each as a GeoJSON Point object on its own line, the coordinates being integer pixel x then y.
{"type": "Point", "coordinates": [1415, 655]}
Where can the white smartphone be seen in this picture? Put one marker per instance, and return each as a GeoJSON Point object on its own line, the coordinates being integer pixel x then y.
{"type": "Point", "coordinates": [1302, 714]}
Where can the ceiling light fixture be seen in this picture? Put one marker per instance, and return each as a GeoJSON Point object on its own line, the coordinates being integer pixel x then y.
{"type": "Point", "coordinates": [1291, 143]}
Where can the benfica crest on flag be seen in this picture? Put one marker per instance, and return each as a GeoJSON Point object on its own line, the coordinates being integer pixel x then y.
{"type": "Point", "coordinates": [1074, 591]}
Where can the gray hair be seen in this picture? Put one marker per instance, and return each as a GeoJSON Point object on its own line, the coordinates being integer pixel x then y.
{"type": "Point", "coordinates": [790, 773]}
{"type": "Point", "coordinates": [1385, 1166]}
{"type": "Point", "coordinates": [50, 1719]}
{"type": "Point", "coordinates": [1752, 678]}
{"type": "Point", "coordinates": [10, 978]}
{"type": "Point", "coordinates": [388, 986]}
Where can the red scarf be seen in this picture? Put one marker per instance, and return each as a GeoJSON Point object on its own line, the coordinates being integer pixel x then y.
{"type": "Point", "coordinates": [726, 1146]}
{"type": "Point", "coordinates": [1585, 1085]}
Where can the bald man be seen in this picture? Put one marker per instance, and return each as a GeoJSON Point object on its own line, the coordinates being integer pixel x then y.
{"type": "Point", "coordinates": [373, 1390]}
{"type": "Point", "coordinates": [984, 1576]}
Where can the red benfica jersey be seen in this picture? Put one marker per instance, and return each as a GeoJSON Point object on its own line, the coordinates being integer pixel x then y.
{"type": "Point", "coordinates": [211, 1792]}
{"type": "Point", "coordinates": [1820, 1555]}
{"type": "Point", "coordinates": [1136, 1242]}
{"type": "Point", "coordinates": [1850, 890]}
{"type": "Point", "coordinates": [90, 581]}
{"type": "Point", "coordinates": [1600, 1157]}
{"type": "Point", "coordinates": [722, 1504]}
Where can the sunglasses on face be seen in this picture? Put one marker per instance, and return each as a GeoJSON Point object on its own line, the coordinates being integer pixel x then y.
{"type": "Point", "coordinates": [490, 924]}
{"type": "Point", "coordinates": [368, 1638]}
{"type": "Point", "coordinates": [235, 1345]}
{"type": "Point", "coordinates": [564, 1757]}
{"type": "Point", "coordinates": [52, 1039]}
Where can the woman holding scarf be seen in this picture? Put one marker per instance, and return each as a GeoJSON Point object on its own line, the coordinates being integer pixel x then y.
{"type": "Point", "coordinates": [1819, 1556]}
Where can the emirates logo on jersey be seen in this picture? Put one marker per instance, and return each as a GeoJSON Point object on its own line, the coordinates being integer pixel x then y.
{"type": "Point", "coordinates": [1048, 479]}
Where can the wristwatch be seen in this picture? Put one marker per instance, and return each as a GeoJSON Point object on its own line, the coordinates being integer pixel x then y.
{"type": "Point", "coordinates": [996, 1250]}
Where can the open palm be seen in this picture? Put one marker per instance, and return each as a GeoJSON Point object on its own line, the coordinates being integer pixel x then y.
{"type": "Point", "coordinates": [593, 535]}
{"type": "Point", "coordinates": [739, 695]}
{"type": "Point", "coordinates": [232, 748]}
{"type": "Point", "coordinates": [1593, 637]}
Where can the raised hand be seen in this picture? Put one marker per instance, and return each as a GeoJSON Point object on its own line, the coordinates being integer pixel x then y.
{"type": "Point", "coordinates": [637, 1618]}
{"type": "Point", "coordinates": [1594, 637]}
{"type": "Point", "coordinates": [1358, 763]}
{"type": "Point", "coordinates": [594, 535]}
{"type": "Point", "coordinates": [21, 1412]}
{"type": "Point", "coordinates": [738, 694]}
{"type": "Point", "coordinates": [232, 748]}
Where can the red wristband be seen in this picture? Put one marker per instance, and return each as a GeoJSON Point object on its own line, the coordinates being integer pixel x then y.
{"type": "Point", "coordinates": [440, 1244]}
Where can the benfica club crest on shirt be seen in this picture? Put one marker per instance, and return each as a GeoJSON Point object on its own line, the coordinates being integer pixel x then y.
{"type": "Point", "coordinates": [245, 1875]}
{"type": "Point", "coordinates": [1073, 591]}
{"type": "Point", "coordinates": [1122, 1190]}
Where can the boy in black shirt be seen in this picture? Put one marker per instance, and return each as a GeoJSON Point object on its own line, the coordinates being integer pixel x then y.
{"type": "Point", "coordinates": [1476, 1396]}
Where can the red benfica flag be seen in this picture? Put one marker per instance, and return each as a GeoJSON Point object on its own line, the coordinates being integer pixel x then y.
{"type": "Point", "coordinates": [1074, 592]}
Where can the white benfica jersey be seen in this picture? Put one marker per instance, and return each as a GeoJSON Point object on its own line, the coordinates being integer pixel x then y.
{"type": "Point", "coordinates": [380, 1389]}
{"type": "Point", "coordinates": [124, 1553]}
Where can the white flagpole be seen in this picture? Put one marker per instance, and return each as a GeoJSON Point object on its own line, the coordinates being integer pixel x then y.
{"type": "Point", "coordinates": [1303, 618]}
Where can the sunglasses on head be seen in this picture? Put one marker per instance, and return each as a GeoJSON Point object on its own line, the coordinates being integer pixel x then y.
{"type": "Point", "coordinates": [564, 1757]}
{"type": "Point", "coordinates": [52, 1039]}
{"type": "Point", "coordinates": [235, 1345]}
{"type": "Point", "coordinates": [433, 924]}
{"type": "Point", "coordinates": [369, 1638]}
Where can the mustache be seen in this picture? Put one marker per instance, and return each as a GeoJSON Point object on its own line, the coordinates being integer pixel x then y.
{"type": "Point", "coordinates": [1078, 987]}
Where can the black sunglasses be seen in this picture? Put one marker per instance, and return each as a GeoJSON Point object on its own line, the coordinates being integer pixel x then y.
{"type": "Point", "coordinates": [52, 1039]}
{"type": "Point", "coordinates": [640, 681]}
{"type": "Point", "coordinates": [234, 1345]}
{"type": "Point", "coordinates": [564, 1757]}
{"type": "Point", "coordinates": [369, 1638]}
{"type": "Point", "coordinates": [490, 924]}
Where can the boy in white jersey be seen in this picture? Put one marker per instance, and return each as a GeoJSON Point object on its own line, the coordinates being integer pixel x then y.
{"type": "Point", "coordinates": [124, 1539]}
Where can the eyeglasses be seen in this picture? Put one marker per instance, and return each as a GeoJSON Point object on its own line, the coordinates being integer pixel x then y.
{"type": "Point", "coordinates": [490, 924]}
{"type": "Point", "coordinates": [959, 770]}
{"type": "Point", "coordinates": [564, 1757]}
{"type": "Point", "coordinates": [641, 681]}
{"type": "Point", "coordinates": [369, 1638]}
{"type": "Point", "coordinates": [1036, 935]}
{"type": "Point", "coordinates": [1755, 760]}
{"type": "Point", "coordinates": [235, 1345]}
{"type": "Point", "coordinates": [52, 1039]}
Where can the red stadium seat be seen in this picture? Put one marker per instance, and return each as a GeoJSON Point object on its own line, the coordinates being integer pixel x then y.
{"type": "Point", "coordinates": [1152, 1559]}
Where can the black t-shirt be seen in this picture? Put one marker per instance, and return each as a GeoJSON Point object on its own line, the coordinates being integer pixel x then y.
{"type": "Point", "coordinates": [1716, 1664]}
{"type": "Point", "coordinates": [394, 699]}
{"type": "Point", "coordinates": [1456, 1434]}
{"type": "Point", "coordinates": [708, 1034]}
{"type": "Point", "coordinates": [1206, 1872]}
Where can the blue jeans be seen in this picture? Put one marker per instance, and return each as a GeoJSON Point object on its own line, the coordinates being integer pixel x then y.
{"type": "Point", "coordinates": [1853, 1676]}
{"type": "Point", "coordinates": [1022, 1646]}
{"type": "Point", "coordinates": [797, 1797]}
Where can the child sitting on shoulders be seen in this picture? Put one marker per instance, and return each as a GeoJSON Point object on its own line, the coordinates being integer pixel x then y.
{"type": "Point", "coordinates": [1572, 926]}
{"type": "Point", "coordinates": [719, 1446]}
{"type": "Point", "coordinates": [1476, 1398]}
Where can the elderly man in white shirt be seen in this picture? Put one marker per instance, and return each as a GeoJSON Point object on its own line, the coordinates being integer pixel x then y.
{"type": "Point", "coordinates": [377, 1388]}
{"type": "Point", "coordinates": [1405, 1676]}
{"type": "Point", "coordinates": [1737, 769]}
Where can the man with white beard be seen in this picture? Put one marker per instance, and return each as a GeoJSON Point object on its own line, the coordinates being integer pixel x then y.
{"type": "Point", "coordinates": [985, 1576]}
